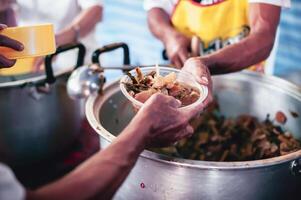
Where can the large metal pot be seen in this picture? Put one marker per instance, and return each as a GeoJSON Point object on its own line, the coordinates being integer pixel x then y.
{"type": "Point", "coordinates": [160, 177]}
{"type": "Point", "coordinates": [38, 119]}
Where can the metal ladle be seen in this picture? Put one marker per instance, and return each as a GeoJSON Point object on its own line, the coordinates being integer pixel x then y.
{"type": "Point", "coordinates": [89, 79]}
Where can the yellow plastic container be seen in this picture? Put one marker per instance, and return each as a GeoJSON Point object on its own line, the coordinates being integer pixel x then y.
{"type": "Point", "coordinates": [38, 40]}
{"type": "Point", "coordinates": [22, 66]}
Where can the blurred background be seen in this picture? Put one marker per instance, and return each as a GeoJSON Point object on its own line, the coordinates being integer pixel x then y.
{"type": "Point", "coordinates": [287, 49]}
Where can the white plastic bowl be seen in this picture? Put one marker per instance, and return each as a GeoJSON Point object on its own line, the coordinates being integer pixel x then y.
{"type": "Point", "coordinates": [182, 77]}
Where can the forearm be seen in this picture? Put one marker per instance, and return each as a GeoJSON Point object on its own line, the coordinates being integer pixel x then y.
{"type": "Point", "coordinates": [85, 21]}
{"type": "Point", "coordinates": [264, 19]}
{"type": "Point", "coordinates": [102, 174]}
{"type": "Point", "coordinates": [159, 24]}
{"type": "Point", "coordinates": [252, 50]}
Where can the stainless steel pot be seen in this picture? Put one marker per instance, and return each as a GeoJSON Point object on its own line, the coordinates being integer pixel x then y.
{"type": "Point", "coordinates": [160, 177]}
{"type": "Point", "coordinates": [38, 119]}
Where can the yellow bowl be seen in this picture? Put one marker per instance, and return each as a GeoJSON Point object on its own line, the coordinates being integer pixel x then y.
{"type": "Point", "coordinates": [38, 40]}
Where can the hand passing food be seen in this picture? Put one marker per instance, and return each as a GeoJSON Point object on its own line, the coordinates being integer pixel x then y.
{"type": "Point", "coordinates": [165, 121]}
{"type": "Point", "coordinates": [200, 71]}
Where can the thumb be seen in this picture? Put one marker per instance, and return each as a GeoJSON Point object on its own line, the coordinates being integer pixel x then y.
{"type": "Point", "coordinates": [203, 80]}
{"type": "Point", "coordinates": [169, 100]}
{"type": "Point", "coordinates": [203, 76]}
{"type": "Point", "coordinates": [173, 102]}
{"type": "Point", "coordinates": [192, 111]}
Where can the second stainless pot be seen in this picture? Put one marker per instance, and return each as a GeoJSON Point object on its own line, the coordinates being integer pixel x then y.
{"type": "Point", "coordinates": [38, 119]}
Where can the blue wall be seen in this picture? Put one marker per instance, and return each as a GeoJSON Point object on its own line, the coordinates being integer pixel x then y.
{"type": "Point", "coordinates": [288, 53]}
{"type": "Point", "coordinates": [125, 20]}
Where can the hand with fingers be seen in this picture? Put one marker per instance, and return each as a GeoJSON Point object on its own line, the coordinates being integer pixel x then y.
{"type": "Point", "coordinates": [177, 48]}
{"type": "Point", "coordinates": [165, 121]}
{"type": "Point", "coordinates": [10, 43]}
{"type": "Point", "coordinates": [198, 68]}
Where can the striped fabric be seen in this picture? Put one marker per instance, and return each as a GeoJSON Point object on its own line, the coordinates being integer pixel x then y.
{"type": "Point", "coordinates": [288, 53]}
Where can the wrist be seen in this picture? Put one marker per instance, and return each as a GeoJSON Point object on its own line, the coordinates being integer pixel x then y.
{"type": "Point", "coordinates": [76, 32]}
{"type": "Point", "coordinates": [206, 61]}
{"type": "Point", "coordinates": [138, 132]}
{"type": "Point", "coordinates": [61, 38]}
{"type": "Point", "coordinates": [68, 35]}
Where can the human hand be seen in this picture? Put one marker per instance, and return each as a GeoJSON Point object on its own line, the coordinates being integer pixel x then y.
{"type": "Point", "coordinates": [162, 122]}
{"type": "Point", "coordinates": [11, 43]}
{"type": "Point", "coordinates": [177, 46]}
{"type": "Point", "coordinates": [197, 67]}
{"type": "Point", "coordinates": [38, 64]}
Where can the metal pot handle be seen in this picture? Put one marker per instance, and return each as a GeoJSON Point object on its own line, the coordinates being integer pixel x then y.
{"type": "Point", "coordinates": [112, 47]}
{"type": "Point", "coordinates": [50, 78]}
{"type": "Point", "coordinates": [164, 54]}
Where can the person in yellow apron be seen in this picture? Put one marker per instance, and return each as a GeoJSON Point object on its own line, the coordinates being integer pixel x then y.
{"type": "Point", "coordinates": [233, 34]}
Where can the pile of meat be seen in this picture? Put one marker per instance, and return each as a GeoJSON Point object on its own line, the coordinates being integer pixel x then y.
{"type": "Point", "coordinates": [244, 138]}
{"type": "Point", "coordinates": [141, 87]}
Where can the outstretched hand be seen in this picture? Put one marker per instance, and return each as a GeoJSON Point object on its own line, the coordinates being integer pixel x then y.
{"type": "Point", "coordinates": [200, 71]}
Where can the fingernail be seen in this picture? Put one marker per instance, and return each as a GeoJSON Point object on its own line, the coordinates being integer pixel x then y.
{"type": "Point", "coordinates": [205, 79]}
{"type": "Point", "coordinates": [21, 47]}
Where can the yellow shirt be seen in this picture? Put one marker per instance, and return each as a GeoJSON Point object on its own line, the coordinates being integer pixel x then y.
{"type": "Point", "coordinates": [218, 23]}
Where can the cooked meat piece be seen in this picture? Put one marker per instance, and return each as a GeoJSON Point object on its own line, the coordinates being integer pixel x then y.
{"type": "Point", "coordinates": [141, 87]}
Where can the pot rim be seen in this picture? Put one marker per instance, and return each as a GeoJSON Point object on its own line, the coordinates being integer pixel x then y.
{"type": "Point", "coordinates": [289, 87]}
{"type": "Point", "coordinates": [30, 80]}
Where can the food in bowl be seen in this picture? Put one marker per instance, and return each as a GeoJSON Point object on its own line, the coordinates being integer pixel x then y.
{"type": "Point", "coordinates": [243, 138]}
{"type": "Point", "coordinates": [143, 86]}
